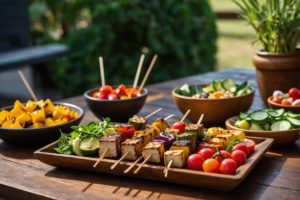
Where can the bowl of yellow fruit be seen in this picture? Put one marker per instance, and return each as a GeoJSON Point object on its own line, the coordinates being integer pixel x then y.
{"type": "Point", "coordinates": [35, 123]}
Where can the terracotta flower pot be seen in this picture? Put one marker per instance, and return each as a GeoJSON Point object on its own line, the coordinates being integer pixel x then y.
{"type": "Point", "coordinates": [276, 71]}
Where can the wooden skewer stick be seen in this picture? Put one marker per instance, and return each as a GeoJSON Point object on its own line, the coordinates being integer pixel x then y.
{"type": "Point", "coordinates": [100, 158]}
{"type": "Point", "coordinates": [153, 113]}
{"type": "Point", "coordinates": [167, 168]}
{"type": "Point", "coordinates": [142, 164]}
{"type": "Point", "coordinates": [27, 85]}
{"type": "Point", "coordinates": [148, 72]}
{"type": "Point", "coordinates": [102, 71]}
{"type": "Point", "coordinates": [200, 119]}
{"type": "Point", "coordinates": [133, 164]}
{"type": "Point", "coordinates": [169, 117]}
{"type": "Point", "coordinates": [185, 115]}
{"type": "Point", "coordinates": [138, 72]}
{"type": "Point", "coordinates": [122, 158]}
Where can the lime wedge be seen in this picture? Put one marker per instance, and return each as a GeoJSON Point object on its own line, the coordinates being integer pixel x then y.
{"type": "Point", "coordinates": [108, 131]}
{"type": "Point", "coordinates": [89, 146]}
{"type": "Point", "coordinates": [76, 146]}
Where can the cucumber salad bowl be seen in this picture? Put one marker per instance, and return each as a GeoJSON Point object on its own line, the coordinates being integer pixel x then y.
{"type": "Point", "coordinates": [218, 100]}
{"type": "Point", "coordinates": [283, 126]}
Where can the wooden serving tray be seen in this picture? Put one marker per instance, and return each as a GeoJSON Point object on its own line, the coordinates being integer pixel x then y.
{"type": "Point", "coordinates": [155, 172]}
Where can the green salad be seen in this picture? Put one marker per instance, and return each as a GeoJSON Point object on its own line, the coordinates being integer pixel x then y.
{"type": "Point", "coordinates": [83, 140]}
{"type": "Point", "coordinates": [268, 120]}
{"type": "Point", "coordinates": [225, 88]}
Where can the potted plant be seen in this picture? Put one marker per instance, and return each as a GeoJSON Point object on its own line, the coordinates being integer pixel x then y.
{"type": "Point", "coordinates": [277, 26]}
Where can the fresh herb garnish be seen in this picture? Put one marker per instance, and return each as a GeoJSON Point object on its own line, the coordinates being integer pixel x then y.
{"type": "Point", "coordinates": [92, 129]}
{"type": "Point", "coordinates": [231, 144]}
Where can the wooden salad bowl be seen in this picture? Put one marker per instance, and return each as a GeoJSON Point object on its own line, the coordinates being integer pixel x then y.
{"type": "Point", "coordinates": [215, 111]}
{"type": "Point", "coordinates": [293, 109]}
{"type": "Point", "coordinates": [281, 138]}
{"type": "Point", "coordinates": [155, 172]}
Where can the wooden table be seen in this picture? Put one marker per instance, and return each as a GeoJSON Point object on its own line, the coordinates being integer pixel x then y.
{"type": "Point", "coordinates": [277, 175]}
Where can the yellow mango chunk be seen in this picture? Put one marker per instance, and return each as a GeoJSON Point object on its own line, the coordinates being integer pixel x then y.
{"type": "Point", "coordinates": [19, 105]}
{"type": "Point", "coordinates": [38, 116]}
{"type": "Point", "coordinates": [36, 125]}
{"type": "Point", "coordinates": [48, 106]}
{"type": "Point", "coordinates": [30, 106]}
{"type": "Point", "coordinates": [16, 125]}
{"type": "Point", "coordinates": [7, 124]}
{"type": "Point", "coordinates": [16, 111]}
{"type": "Point", "coordinates": [60, 121]}
{"type": "Point", "coordinates": [3, 115]}
{"type": "Point", "coordinates": [23, 118]}
{"type": "Point", "coordinates": [49, 122]}
{"type": "Point", "coordinates": [59, 112]}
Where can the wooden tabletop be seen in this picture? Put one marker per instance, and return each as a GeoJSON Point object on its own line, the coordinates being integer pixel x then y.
{"type": "Point", "coordinates": [277, 175]}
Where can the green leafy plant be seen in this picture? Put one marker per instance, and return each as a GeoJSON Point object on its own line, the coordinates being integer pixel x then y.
{"type": "Point", "coordinates": [182, 33]}
{"type": "Point", "coordinates": [276, 22]}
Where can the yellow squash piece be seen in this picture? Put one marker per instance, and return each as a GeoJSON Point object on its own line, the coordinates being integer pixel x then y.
{"type": "Point", "coordinates": [214, 131]}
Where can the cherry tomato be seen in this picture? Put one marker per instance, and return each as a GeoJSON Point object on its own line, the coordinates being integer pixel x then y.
{"type": "Point", "coordinates": [126, 131]}
{"type": "Point", "coordinates": [121, 90]}
{"type": "Point", "coordinates": [113, 96]}
{"type": "Point", "coordinates": [239, 157]}
{"type": "Point", "coordinates": [195, 162]}
{"type": "Point", "coordinates": [180, 126]}
{"type": "Point", "coordinates": [250, 145]}
{"type": "Point", "coordinates": [224, 154]}
{"type": "Point", "coordinates": [286, 102]}
{"type": "Point", "coordinates": [106, 89]}
{"type": "Point", "coordinates": [228, 166]}
{"type": "Point", "coordinates": [206, 153]}
{"type": "Point", "coordinates": [241, 146]}
{"type": "Point", "coordinates": [277, 100]}
{"type": "Point", "coordinates": [294, 93]}
{"type": "Point", "coordinates": [211, 165]}
{"type": "Point", "coordinates": [102, 96]}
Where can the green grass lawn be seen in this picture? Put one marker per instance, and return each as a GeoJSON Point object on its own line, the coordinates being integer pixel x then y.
{"type": "Point", "coordinates": [235, 48]}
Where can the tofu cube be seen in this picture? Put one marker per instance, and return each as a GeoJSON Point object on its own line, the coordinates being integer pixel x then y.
{"type": "Point", "coordinates": [156, 150]}
{"type": "Point", "coordinates": [134, 147]}
{"type": "Point", "coordinates": [172, 131]}
{"type": "Point", "coordinates": [112, 142]}
{"type": "Point", "coordinates": [177, 156]}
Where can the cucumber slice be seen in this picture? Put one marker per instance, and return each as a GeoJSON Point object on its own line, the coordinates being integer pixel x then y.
{"type": "Point", "coordinates": [294, 122]}
{"type": "Point", "coordinates": [89, 146]}
{"type": "Point", "coordinates": [217, 85]}
{"type": "Point", "coordinates": [244, 115]}
{"type": "Point", "coordinates": [76, 146]}
{"type": "Point", "coordinates": [282, 125]}
{"type": "Point", "coordinates": [293, 115]}
{"type": "Point", "coordinates": [240, 89]}
{"type": "Point", "coordinates": [259, 116]}
{"type": "Point", "coordinates": [255, 127]}
{"type": "Point", "coordinates": [276, 113]}
{"type": "Point", "coordinates": [227, 84]}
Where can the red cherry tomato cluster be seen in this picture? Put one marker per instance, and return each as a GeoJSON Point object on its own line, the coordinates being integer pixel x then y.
{"type": "Point", "coordinates": [121, 92]}
{"type": "Point", "coordinates": [292, 98]}
{"type": "Point", "coordinates": [213, 160]}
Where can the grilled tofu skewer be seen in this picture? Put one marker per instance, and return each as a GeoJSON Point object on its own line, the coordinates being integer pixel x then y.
{"type": "Point", "coordinates": [173, 157]}
{"type": "Point", "coordinates": [109, 146]}
{"type": "Point", "coordinates": [153, 113]}
{"type": "Point", "coordinates": [200, 119]}
{"type": "Point", "coordinates": [166, 171]}
{"type": "Point", "coordinates": [131, 149]}
{"type": "Point", "coordinates": [169, 117]}
{"type": "Point", "coordinates": [141, 165]}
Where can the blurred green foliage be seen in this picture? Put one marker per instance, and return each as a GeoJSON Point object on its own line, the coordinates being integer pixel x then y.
{"type": "Point", "coordinates": [183, 34]}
